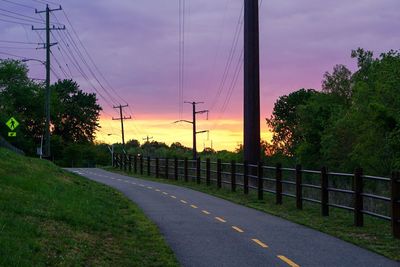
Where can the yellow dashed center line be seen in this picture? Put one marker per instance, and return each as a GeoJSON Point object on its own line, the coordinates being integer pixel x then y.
{"type": "Point", "coordinates": [288, 261]}
{"type": "Point", "coordinates": [237, 229]}
{"type": "Point", "coordinates": [220, 219]}
{"type": "Point", "coordinates": [183, 201]}
{"type": "Point", "coordinates": [205, 212]}
{"type": "Point", "coordinates": [260, 243]}
{"type": "Point", "coordinates": [193, 206]}
{"type": "Point", "coordinates": [173, 196]}
{"type": "Point", "coordinates": [165, 193]}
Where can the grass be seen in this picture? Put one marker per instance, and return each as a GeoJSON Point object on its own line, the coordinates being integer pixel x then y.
{"type": "Point", "coordinates": [375, 236]}
{"type": "Point", "coordinates": [49, 217]}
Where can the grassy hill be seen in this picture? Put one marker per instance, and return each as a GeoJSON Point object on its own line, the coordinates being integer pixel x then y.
{"type": "Point", "coordinates": [49, 217]}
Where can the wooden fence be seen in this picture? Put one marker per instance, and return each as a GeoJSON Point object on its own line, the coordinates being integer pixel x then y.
{"type": "Point", "coordinates": [353, 192]}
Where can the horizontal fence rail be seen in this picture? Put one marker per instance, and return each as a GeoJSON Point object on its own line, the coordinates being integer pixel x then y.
{"type": "Point", "coordinates": [352, 192]}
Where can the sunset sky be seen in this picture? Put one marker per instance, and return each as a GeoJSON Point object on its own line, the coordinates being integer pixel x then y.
{"type": "Point", "coordinates": [134, 44]}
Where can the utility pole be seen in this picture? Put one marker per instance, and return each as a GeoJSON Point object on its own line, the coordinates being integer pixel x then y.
{"type": "Point", "coordinates": [147, 139]}
{"type": "Point", "coordinates": [47, 46]}
{"type": "Point", "coordinates": [193, 122]}
{"type": "Point", "coordinates": [122, 118]}
{"type": "Point", "coordinates": [251, 82]}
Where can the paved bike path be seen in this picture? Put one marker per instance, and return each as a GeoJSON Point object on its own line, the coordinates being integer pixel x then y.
{"type": "Point", "coordinates": [204, 230]}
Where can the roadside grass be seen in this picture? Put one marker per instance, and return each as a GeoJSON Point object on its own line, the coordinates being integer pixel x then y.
{"type": "Point", "coordinates": [49, 217]}
{"type": "Point", "coordinates": [375, 235]}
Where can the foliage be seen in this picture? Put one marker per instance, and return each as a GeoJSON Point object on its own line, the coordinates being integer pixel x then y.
{"type": "Point", "coordinates": [74, 116]}
{"type": "Point", "coordinates": [284, 121]}
{"type": "Point", "coordinates": [354, 121]}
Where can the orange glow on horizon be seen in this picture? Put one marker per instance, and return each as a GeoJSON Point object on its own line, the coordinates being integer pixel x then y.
{"type": "Point", "coordinates": [224, 134]}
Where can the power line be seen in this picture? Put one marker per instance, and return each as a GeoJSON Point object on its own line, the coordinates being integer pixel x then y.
{"type": "Point", "coordinates": [18, 4]}
{"type": "Point", "coordinates": [16, 42]}
{"type": "Point", "coordinates": [91, 59]}
{"type": "Point", "coordinates": [15, 22]}
{"type": "Point", "coordinates": [228, 64]}
{"type": "Point", "coordinates": [25, 17]}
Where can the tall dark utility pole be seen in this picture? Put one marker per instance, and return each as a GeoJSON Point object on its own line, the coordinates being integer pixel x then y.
{"type": "Point", "coordinates": [47, 46]}
{"type": "Point", "coordinates": [193, 122]}
{"type": "Point", "coordinates": [122, 118]}
{"type": "Point", "coordinates": [251, 82]}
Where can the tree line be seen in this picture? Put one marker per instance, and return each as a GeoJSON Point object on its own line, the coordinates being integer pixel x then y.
{"type": "Point", "coordinates": [353, 122]}
{"type": "Point", "coordinates": [74, 115]}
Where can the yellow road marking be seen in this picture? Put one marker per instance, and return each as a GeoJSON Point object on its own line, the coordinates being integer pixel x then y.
{"type": "Point", "coordinates": [260, 243]}
{"type": "Point", "coordinates": [288, 261]}
{"type": "Point", "coordinates": [165, 193]}
{"type": "Point", "coordinates": [220, 219]}
{"type": "Point", "coordinates": [193, 206]}
{"type": "Point", "coordinates": [173, 196]}
{"type": "Point", "coordinates": [205, 212]}
{"type": "Point", "coordinates": [237, 229]}
{"type": "Point", "coordinates": [183, 201]}
{"type": "Point", "coordinates": [158, 190]}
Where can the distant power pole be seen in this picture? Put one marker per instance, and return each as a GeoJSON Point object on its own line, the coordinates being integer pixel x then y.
{"type": "Point", "coordinates": [122, 118]}
{"type": "Point", "coordinates": [47, 46]}
{"type": "Point", "coordinates": [147, 139]}
{"type": "Point", "coordinates": [193, 122]}
{"type": "Point", "coordinates": [251, 82]}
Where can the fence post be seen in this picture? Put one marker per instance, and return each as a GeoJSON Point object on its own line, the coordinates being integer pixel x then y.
{"type": "Point", "coordinates": [208, 172]}
{"type": "Point", "coordinates": [299, 188]}
{"type": "Point", "coordinates": [141, 165]}
{"type": "Point", "coordinates": [186, 170]}
{"type": "Point", "coordinates": [260, 181]}
{"type": "Point", "coordinates": [358, 198]}
{"type": "Point", "coordinates": [113, 160]}
{"type": "Point", "coordinates": [125, 162]}
{"type": "Point", "coordinates": [324, 192]}
{"type": "Point", "coordinates": [166, 168]}
{"type": "Point", "coordinates": [148, 166]}
{"type": "Point", "coordinates": [130, 163]}
{"type": "Point", "coordinates": [176, 168]}
{"type": "Point", "coordinates": [278, 183]}
{"type": "Point", "coordinates": [198, 170]}
{"type": "Point", "coordinates": [120, 162]}
{"type": "Point", "coordinates": [157, 168]}
{"type": "Point", "coordinates": [395, 184]}
{"type": "Point", "coordinates": [219, 180]}
{"type": "Point", "coordinates": [246, 177]}
{"type": "Point", "coordinates": [135, 164]}
{"type": "Point", "coordinates": [233, 176]}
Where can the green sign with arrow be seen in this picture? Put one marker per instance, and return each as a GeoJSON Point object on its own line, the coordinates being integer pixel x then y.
{"type": "Point", "coordinates": [12, 123]}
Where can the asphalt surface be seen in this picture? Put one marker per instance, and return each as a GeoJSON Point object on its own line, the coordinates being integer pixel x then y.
{"type": "Point", "coordinates": [204, 230]}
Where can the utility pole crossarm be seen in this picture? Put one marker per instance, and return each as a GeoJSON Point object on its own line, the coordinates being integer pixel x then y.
{"type": "Point", "coordinates": [191, 122]}
{"type": "Point", "coordinates": [205, 131]}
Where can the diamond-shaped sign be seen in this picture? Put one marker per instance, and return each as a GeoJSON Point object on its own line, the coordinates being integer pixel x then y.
{"type": "Point", "coordinates": [12, 123]}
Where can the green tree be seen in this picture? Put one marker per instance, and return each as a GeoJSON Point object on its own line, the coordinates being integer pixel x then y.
{"type": "Point", "coordinates": [284, 121]}
{"type": "Point", "coordinates": [76, 113]}
{"type": "Point", "coordinates": [339, 82]}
